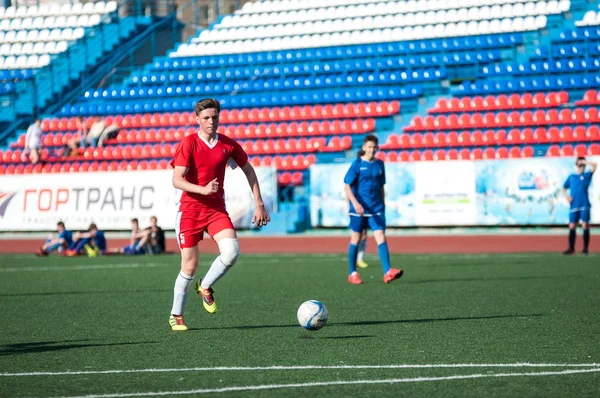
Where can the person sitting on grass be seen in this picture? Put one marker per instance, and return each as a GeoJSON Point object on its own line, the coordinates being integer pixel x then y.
{"type": "Point", "coordinates": [134, 246]}
{"type": "Point", "coordinates": [153, 241]}
{"type": "Point", "coordinates": [60, 243]}
{"type": "Point", "coordinates": [92, 242]}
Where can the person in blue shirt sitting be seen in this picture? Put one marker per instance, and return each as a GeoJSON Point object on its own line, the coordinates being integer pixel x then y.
{"type": "Point", "coordinates": [61, 243]}
{"type": "Point", "coordinates": [364, 185]}
{"type": "Point", "coordinates": [92, 242]}
{"type": "Point", "coordinates": [578, 185]}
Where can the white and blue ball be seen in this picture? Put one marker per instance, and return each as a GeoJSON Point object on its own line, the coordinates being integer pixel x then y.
{"type": "Point", "coordinates": [312, 315]}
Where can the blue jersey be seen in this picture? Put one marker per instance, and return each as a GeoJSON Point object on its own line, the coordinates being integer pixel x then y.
{"type": "Point", "coordinates": [579, 184]}
{"type": "Point", "coordinates": [366, 180]}
{"type": "Point", "coordinates": [100, 240]}
{"type": "Point", "coordinates": [67, 236]}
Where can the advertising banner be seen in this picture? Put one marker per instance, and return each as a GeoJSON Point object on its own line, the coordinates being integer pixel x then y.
{"type": "Point", "coordinates": [112, 199]}
{"type": "Point", "coordinates": [495, 192]}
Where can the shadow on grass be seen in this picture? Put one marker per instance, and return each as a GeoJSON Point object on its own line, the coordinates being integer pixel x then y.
{"type": "Point", "coordinates": [50, 346]}
{"type": "Point", "coordinates": [370, 323]}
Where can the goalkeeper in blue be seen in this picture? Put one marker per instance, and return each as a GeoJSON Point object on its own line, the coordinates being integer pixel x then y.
{"type": "Point", "coordinates": [578, 185]}
{"type": "Point", "coordinates": [364, 185]}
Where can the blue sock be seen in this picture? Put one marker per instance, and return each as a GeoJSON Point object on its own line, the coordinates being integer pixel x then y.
{"type": "Point", "coordinates": [384, 256]}
{"type": "Point", "coordinates": [52, 248]}
{"type": "Point", "coordinates": [352, 253]}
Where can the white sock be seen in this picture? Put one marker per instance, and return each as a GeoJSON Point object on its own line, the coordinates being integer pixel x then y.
{"type": "Point", "coordinates": [182, 283]}
{"type": "Point", "coordinates": [230, 250]}
{"type": "Point", "coordinates": [215, 272]}
{"type": "Point", "coordinates": [362, 245]}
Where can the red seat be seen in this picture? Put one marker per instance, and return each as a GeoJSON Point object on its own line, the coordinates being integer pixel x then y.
{"type": "Point", "coordinates": [594, 149]}
{"type": "Point", "coordinates": [440, 140]}
{"type": "Point", "coordinates": [416, 140]}
{"type": "Point", "coordinates": [580, 134]}
{"type": "Point", "coordinates": [18, 169]}
{"type": "Point", "coordinates": [452, 139]}
{"type": "Point", "coordinates": [514, 152]}
{"type": "Point", "coordinates": [477, 154]}
{"type": "Point", "coordinates": [527, 100]}
{"type": "Point", "coordinates": [566, 134]}
{"type": "Point", "coordinates": [591, 115]}
{"type": "Point", "coordinates": [464, 154]}
{"type": "Point", "coordinates": [593, 133]}
{"type": "Point", "coordinates": [580, 150]}
{"type": "Point", "coordinates": [427, 155]}
{"type": "Point", "coordinates": [415, 156]}
{"type": "Point", "coordinates": [309, 160]}
{"type": "Point", "coordinates": [500, 137]}
{"type": "Point", "coordinates": [579, 116]}
{"type": "Point", "coordinates": [553, 150]}
{"type": "Point", "coordinates": [390, 157]}
{"type": "Point", "coordinates": [527, 152]}
{"type": "Point", "coordinates": [565, 116]}
{"type": "Point", "coordinates": [527, 136]}
{"type": "Point", "coordinates": [441, 106]}
{"type": "Point", "coordinates": [502, 153]}
{"type": "Point", "coordinates": [489, 153]}
{"type": "Point", "coordinates": [464, 138]}
{"type": "Point", "coordinates": [566, 150]}
{"type": "Point", "coordinates": [439, 154]}
{"type": "Point", "coordinates": [297, 178]}
{"type": "Point", "coordinates": [554, 135]}
{"type": "Point", "coordinates": [404, 156]}
{"type": "Point", "coordinates": [2, 168]}
{"type": "Point", "coordinates": [514, 137]}
{"type": "Point", "coordinates": [429, 140]}
{"type": "Point", "coordinates": [284, 178]}
{"type": "Point", "coordinates": [28, 169]}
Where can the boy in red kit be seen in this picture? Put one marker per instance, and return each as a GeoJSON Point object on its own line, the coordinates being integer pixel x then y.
{"type": "Point", "coordinates": [199, 164]}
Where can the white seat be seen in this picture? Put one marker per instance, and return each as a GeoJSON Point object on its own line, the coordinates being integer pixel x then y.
{"type": "Point", "coordinates": [78, 33]}
{"type": "Point", "coordinates": [483, 27]}
{"type": "Point", "coordinates": [38, 23]}
{"type": "Point", "coordinates": [564, 5]}
{"type": "Point", "coordinates": [71, 21]}
{"type": "Point", "coordinates": [55, 34]}
{"type": "Point", "coordinates": [21, 36]}
{"type": "Point", "coordinates": [66, 34]}
{"type": "Point", "coordinates": [38, 48]}
{"type": "Point", "coordinates": [94, 20]}
{"type": "Point", "coordinates": [4, 24]}
{"type": "Point", "coordinates": [49, 22]}
{"type": "Point", "coordinates": [99, 7]}
{"type": "Point", "coordinates": [16, 48]}
{"type": "Point", "coordinates": [506, 25]}
{"type": "Point", "coordinates": [43, 60]}
{"type": "Point", "coordinates": [540, 21]}
{"type": "Point", "coordinates": [32, 11]}
{"type": "Point", "coordinates": [2, 16]}
{"type": "Point", "coordinates": [10, 12]}
{"type": "Point", "coordinates": [65, 9]}
{"type": "Point", "coordinates": [21, 62]}
{"type": "Point", "coordinates": [494, 26]}
{"type": "Point", "coordinates": [44, 35]}
{"type": "Point", "coordinates": [21, 12]}
{"type": "Point", "coordinates": [540, 8]}
{"type": "Point", "coordinates": [110, 6]}
{"type": "Point", "coordinates": [26, 23]}
{"type": "Point", "coordinates": [32, 61]}
{"type": "Point", "coordinates": [2, 36]}
{"type": "Point", "coordinates": [462, 14]}
{"type": "Point", "coordinates": [529, 23]}
{"type": "Point", "coordinates": [1, 62]}
{"type": "Point", "coordinates": [15, 24]}
{"type": "Point", "coordinates": [529, 9]}
{"type": "Point", "coordinates": [27, 48]}
{"type": "Point", "coordinates": [10, 36]}
{"type": "Point", "coordinates": [5, 49]}
{"type": "Point", "coordinates": [83, 20]}
{"type": "Point", "coordinates": [77, 9]}
{"type": "Point", "coordinates": [473, 28]}
{"type": "Point", "coordinates": [9, 62]}
{"type": "Point", "coordinates": [54, 9]}
{"type": "Point", "coordinates": [50, 47]}
{"type": "Point", "coordinates": [43, 10]}
{"type": "Point", "coordinates": [518, 24]}
{"type": "Point", "coordinates": [88, 8]}
{"type": "Point", "coordinates": [62, 46]}
{"type": "Point", "coordinates": [589, 18]}
{"type": "Point", "coordinates": [552, 7]}
{"type": "Point", "coordinates": [32, 35]}
{"type": "Point", "coordinates": [60, 21]}
{"type": "Point", "coordinates": [507, 11]}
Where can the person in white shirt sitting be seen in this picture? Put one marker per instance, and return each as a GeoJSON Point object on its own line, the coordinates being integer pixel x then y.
{"type": "Point", "coordinates": [33, 141]}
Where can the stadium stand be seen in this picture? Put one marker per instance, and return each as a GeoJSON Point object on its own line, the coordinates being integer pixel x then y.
{"type": "Point", "coordinates": [302, 82]}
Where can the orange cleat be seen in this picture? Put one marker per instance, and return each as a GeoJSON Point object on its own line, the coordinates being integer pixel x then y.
{"type": "Point", "coordinates": [392, 274]}
{"type": "Point", "coordinates": [354, 278]}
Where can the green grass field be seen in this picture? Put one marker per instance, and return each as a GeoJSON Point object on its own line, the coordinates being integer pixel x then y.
{"type": "Point", "coordinates": [98, 327]}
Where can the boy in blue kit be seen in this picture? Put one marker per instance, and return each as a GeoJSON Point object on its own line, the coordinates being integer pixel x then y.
{"type": "Point", "coordinates": [578, 185]}
{"type": "Point", "coordinates": [61, 243]}
{"type": "Point", "coordinates": [92, 242]}
{"type": "Point", "coordinates": [364, 183]}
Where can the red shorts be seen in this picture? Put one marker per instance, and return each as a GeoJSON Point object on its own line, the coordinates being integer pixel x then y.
{"type": "Point", "coordinates": [190, 225]}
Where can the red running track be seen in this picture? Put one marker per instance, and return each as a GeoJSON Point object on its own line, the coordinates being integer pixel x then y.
{"type": "Point", "coordinates": [468, 244]}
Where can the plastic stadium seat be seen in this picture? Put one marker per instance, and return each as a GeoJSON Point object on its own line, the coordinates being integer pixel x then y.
{"type": "Point", "coordinates": [415, 155]}
{"type": "Point", "coordinates": [502, 153]}
{"type": "Point", "coordinates": [439, 154]}
{"type": "Point", "coordinates": [489, 153]}
{"type": "Point", "coordinates": [527, 152]}
{"type": "Point", "coordinates": [594, 149]}
{"type": "Point", "coordinates": [566, 150]}
{"type": "Point", "coordinates": [566, 134]}
{"type": "Point", "coordinates": [593, 133]}
{"type": "Point", "coordinates": [284, 178]}
{"type": "Point", "coordinates": [297, 178]}
{"type": "Point", "coordinates": [514, 152]}
{"type": "Point", "coordinates": [464, 154]}
{"type": "Point", "coordinates": [427, 155]}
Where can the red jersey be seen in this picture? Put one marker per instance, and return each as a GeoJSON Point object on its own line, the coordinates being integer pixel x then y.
{"type": "Point", "coordinates": [204, 164]}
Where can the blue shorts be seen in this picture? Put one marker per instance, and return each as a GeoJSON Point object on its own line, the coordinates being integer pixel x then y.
{"type": "Point", "coordinates": [583, 215]}
{"type": "Point", "coordinates": [359, 223]}
{"type": "Point", "coordinates": [129, 249]}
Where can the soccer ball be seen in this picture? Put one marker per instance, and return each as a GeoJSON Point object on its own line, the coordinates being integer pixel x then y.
{"type": "Point", "coordinates": [312, 315]}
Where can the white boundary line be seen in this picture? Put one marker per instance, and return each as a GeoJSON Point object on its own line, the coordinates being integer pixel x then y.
{"type": "Point", "coordinates": [335, 383]}
{"type": "Point", "coordinates": [311, 367]}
